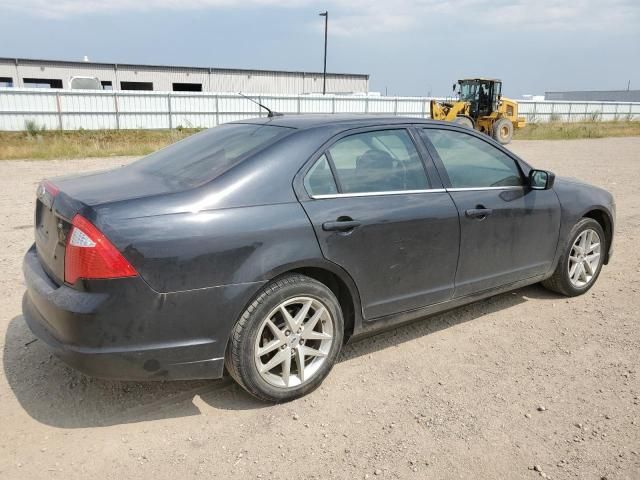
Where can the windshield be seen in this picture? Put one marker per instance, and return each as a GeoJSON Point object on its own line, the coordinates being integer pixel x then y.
{"type": "Point", "coordinates": [207, 155]}
{"type": "Point", "coordinates": [468, 91]}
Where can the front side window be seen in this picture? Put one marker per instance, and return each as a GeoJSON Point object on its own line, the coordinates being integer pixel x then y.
{"type": "Point", "coordinates": [471, 162]}
{"type": "Point", "coordinates": [379, 161]}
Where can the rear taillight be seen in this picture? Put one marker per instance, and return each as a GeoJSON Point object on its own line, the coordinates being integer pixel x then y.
{"type": "Point", "coordinates": [50, 188]}
{"type": "Point", "coordinates": [89, 254]}
{"type": "Point", "coordinates": [46, 192]}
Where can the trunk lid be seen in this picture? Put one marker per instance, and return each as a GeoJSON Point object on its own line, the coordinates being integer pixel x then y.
{"type": "Point", "coordinates": [109, 186]}
{"type": "Point", "coordinates": [59, 201]}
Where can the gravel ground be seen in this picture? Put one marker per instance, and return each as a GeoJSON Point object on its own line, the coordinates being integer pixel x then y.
{"type": "Point", "coordinates": [524, 385]}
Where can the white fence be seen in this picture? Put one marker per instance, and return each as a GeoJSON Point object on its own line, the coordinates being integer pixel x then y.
{"type": "Point", "coordinates": [93, 110]}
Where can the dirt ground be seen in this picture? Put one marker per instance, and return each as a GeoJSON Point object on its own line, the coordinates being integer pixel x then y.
{"type": "Point", "coordinates": [524, 385]}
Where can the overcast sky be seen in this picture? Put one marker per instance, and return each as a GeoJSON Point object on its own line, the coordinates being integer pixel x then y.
{"type": "Point", "coordinates": [409, 47]}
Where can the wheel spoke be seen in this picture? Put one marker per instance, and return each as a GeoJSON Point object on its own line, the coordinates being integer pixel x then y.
{"type": "Point", "coordinates": [577, 272]}
{"type": "Point", "coordinates": [583, 273]}
{"type": "Point", "coordinates": [302, 314]}
{"type": "Point", "coordinates": [573, 270]}
{"type": "Point", "coordinates": [311, 324]}
{"type": "Point", "coordinates": [312, 352]}
{"type": "Point", "coordinates": [583, 240]}
{"type": "Point", "coordinates": [270, 347]}
{"type": "Point", "coordinates": [586, 266]}
{"type": "Point", "coordinates": [288, 319]}
{"type": "Point", "coordinates": [594, 257]}
{"type": "Point", "coordinates": [286, 369]}
{"type": "Point", "coordinates": [279, 334]}
{"type": "Point", "coordinates": [300, 363]}
{"type": "Point", "coordinates": [592, 247]}
{"type": "Point", "coordinates": [277, 359]}
{"type": "Point", "coordinates": [313, 335]}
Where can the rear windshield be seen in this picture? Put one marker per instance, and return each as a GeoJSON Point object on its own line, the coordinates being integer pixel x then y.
{"type": "Point", "coordinates": [207, 155]}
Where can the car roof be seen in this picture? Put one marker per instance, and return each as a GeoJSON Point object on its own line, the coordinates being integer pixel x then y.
{"type": "Point", "coordinates": [302, 122]}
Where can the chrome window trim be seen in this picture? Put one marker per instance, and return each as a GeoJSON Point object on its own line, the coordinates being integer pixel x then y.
{"type": "Point", "coordinates": [473, 189]}
{"type": "Point", "coordinates": [376, 194]}
{"type": "Point", "coordinates": [409, 192]}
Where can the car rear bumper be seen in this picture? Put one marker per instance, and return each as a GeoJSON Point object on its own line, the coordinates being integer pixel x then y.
{"type": "Point", "coordinates": [124, 364]}
{"type": "Point", "coordinates": [122, 329]}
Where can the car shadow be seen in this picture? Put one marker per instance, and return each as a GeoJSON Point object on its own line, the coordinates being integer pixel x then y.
{"type": "Point", "coordinates": [55, 394]}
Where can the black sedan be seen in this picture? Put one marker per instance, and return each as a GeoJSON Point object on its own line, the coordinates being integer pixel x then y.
{"type": "Point", "coordinates": [261, 246]}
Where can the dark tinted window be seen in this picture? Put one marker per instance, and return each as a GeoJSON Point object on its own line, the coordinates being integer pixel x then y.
{"type": "Point", "coordinates": [136, 85]}
{"type": "Point", "coordinates": [206, 155]}
{"type": "Point", "coordinates": [42, 82]}
{"type": "Point", "coordinates": [472, 162]}
{"type": "Point", "coordinates": [187, 87]}
{"type": "Point", "coordinates": [319, 180]}
{"type": "Point", "coordinates": [379, 161]}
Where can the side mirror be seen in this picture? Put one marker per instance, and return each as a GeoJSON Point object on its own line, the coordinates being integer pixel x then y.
{"type": "Point", "coordinates": [541, 179]}
{"type": "Point", "coordinates": [453, 87]}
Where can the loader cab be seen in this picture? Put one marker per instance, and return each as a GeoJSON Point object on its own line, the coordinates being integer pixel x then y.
{"type": "Point", "coordinates": [483, 94]}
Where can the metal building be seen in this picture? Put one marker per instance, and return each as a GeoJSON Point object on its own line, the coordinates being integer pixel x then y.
{"type": "Point", "coordinates": [595, 96]}
{"type": "Point", "coordinates": [22, 72]}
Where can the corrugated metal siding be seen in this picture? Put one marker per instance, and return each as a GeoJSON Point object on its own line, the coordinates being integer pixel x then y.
{"type": "Point", "coordinates": [212, 79]}
{"type": "Point", "coordinates": [545, 111]}
{"type": "Point", "coordinates": [74, 109]}
{"type": "Point", "coordinates": [594, 96]}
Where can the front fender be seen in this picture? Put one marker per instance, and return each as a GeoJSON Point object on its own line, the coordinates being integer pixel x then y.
{"type": "Point", "coordinates": [579, 200]}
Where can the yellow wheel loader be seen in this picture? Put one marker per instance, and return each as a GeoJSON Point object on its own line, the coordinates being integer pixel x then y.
{"type": "Point", "coordinates": [480, 105]}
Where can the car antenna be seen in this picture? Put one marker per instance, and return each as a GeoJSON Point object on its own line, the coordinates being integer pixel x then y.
{"type": "Point", "coordinates": [271, 113]}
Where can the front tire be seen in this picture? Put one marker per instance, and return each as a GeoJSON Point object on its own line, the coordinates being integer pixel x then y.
{"type": "Point", "coordinates": [503, 130]}
{"type": "Point", "coordinates": [581, 261]}
{"type": "Point", "coordinates": [464, 121]}
{"type": "Point", "coordinates": [286, 342]}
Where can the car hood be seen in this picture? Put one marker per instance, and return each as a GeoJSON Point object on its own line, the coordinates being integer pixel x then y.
{"type": "Point", "coordinates": [573, 180]}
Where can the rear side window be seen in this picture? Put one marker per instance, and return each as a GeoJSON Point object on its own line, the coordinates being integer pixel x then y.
{"type": "Point", "coordinates": [319, 180]}
{"type": "Point", "coordinates": [379, 161]}
{"type": "Point", "coordinates": [207, 155]}
{"type": "Point", "coordinates": [471, 162]}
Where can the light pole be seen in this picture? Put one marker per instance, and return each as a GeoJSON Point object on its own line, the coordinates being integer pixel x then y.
{"type": "Point", "coordinates": [325, 14]}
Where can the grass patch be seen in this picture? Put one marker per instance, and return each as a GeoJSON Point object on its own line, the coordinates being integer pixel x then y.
{"type": "Point", "coordinates": [37, 143]}
{"type": "Point", "coordinates": [40, 144]}
{"type": "Point", "coordinates": [575, 130]}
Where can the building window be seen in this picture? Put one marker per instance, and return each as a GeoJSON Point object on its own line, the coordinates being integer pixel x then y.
{"type": "Point", "coordinates": [42, 82]}
{"type": "Point", "coordinates": [6, 82]}
{"type": "Point", "coordinates": [136, 85]}
{"type": "Point", "coordinates": [106, 85]}
{"type": "Point", "coordinates": [187, 87]}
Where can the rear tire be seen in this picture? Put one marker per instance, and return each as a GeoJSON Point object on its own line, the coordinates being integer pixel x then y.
{"type": "Point", "coordinates": [503, 131]}
{"type": "Point", "coordinates": [464, 122]}
{"type": "Point", "coordinates": [287, 340]}
{"type": "Point", "coordinates": [571, 281]}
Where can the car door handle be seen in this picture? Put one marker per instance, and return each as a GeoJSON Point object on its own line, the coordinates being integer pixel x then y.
{"type": "Point", "coordinates": [478, 213]}
{"type": "Point", "coordinates": [340, 225]}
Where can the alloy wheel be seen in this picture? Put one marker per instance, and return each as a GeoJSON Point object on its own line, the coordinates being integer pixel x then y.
{"type": "Point", "coordinates": [584, 258]}
{"type": "Point", "coordinates": [293, 342]}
